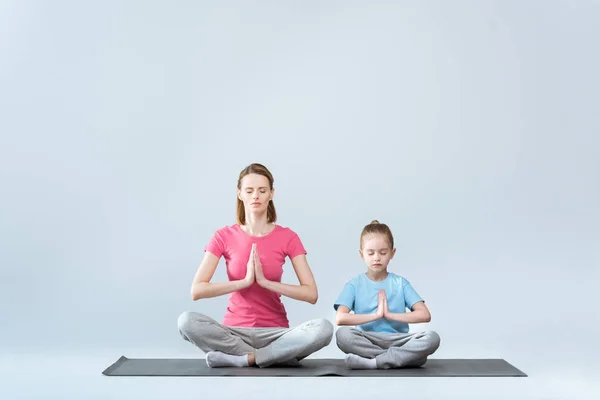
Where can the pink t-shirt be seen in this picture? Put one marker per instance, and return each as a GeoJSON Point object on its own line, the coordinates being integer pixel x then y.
{"type": "Point", "coordinates": [255, 306]}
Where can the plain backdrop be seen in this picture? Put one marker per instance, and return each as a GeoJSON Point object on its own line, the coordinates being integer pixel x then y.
{"type": "Point", "coordinates": [470, 127]}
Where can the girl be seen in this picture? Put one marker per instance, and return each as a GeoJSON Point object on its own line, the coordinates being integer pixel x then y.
{"type": "Point", "coordinates": [379, 299]}
{"type": "Point", "coordinates": [255, 329]}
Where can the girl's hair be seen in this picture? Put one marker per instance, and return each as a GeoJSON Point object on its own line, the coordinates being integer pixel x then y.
{"type": "Point", "coordinates": [376, 227]}
{"type": "Point", "coordinates": [259, 169]}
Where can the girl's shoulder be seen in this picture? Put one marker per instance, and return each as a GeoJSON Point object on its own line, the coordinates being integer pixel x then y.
{"type": "Point", "coordinates": [397, 279]}
{"type": "Point", "coordinates": [356, 280]}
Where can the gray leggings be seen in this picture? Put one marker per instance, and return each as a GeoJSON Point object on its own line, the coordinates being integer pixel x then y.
{"type": "Point", "coordinates": [270, 345]}
{"type": "Point", "coordinates": [390, 350]}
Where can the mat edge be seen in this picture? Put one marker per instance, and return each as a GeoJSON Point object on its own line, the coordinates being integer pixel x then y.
{"type": "Point", "coordinates": [114, 365]}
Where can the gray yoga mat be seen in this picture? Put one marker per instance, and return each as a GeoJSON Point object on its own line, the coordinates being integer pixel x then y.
{"type": "Point", "coordinates": [311, 367]}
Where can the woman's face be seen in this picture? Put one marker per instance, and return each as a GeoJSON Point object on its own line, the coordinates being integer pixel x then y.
{"type": "Point", "coordinates": [255, 193]}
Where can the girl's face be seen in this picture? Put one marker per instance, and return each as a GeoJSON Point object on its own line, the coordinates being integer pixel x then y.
{"type": "Point", "coordinates": [376, 252]}
{"type": "Point", "coordinates": [255, 193]}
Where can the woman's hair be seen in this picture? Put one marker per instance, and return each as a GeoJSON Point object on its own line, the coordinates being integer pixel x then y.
{"type": "Point", "coordinates": [259, 169]}
{"type": "Point", "coordinates": [376, 227]}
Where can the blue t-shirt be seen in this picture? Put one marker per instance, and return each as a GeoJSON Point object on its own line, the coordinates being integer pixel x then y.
{"type": "Point", "coordinates": [360, 295]}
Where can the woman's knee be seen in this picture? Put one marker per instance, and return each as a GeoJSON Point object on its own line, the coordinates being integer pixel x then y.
{"type": "Point", "coordinates": [188, 319]}
{"type": "Point", "coordinates": [323, 330]}
{"type": "Point", "coordinates": [318, 332]}
{"type": "Point", "coordinates": [184, 321]}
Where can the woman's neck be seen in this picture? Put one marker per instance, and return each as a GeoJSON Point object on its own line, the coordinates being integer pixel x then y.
{"type": "Point", "coordinates": [257, 225]}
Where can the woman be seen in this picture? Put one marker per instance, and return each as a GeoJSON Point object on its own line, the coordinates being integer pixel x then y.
{"type": "Point", "coordinates": [255, 329]}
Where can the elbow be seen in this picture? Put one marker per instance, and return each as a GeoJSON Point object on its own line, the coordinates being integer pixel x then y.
{"type": "Point", "coordinates": [427, 318]}
{"type": "Point", "coordinates": [196, 293]}
{"type": "Point", "coordinates": [313, 296]}
{"type": "Point", "coordinates": [340, 319]}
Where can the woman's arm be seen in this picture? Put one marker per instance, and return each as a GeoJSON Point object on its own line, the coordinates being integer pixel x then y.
{"type": "Point", "coordinates": [306, 291]}
{"type": "Point", "coordinates": [419, 314]}
{"type": "Point", "coordinates": [202, 288]}
{"type": "Point", "coordinates": [343, 316]}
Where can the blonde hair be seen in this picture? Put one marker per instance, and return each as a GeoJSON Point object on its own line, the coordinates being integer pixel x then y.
{"type": "Point", "coordinates": [375, 227]}
{"type": "Point", "coordinates": [259, 169]}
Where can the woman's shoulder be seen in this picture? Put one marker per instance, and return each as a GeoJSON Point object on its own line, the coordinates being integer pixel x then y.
{"type": "Point", "coordinates": [285, 231]}
{"type": "Point", "coordinates": [227, 230]}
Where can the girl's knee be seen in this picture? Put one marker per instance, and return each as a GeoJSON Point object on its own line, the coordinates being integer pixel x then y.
{"type": "Point", "coordinates": [433, 338]}
{"type": "Point", "coordinates": [343, 338]}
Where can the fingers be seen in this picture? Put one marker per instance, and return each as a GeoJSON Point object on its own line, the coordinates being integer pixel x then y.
{"type": "Point", "coordinates": [251, 257]}
{"type": "Point", "coordinates": [256, 256]}
{"type": "Point", "coordinates": [381, 299]}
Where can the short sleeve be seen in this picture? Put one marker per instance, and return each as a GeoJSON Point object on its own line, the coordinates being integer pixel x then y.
{"type": "Point", "coordinates": [410, 294]}
{"type": "Point", "coordinates": [295, 247]}
{"type": "Point", "coordinates": [346, 298]}
{"type": "Point", "coordinates": [216, 245]}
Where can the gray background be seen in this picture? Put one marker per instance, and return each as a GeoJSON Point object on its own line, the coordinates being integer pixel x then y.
{"type": "Point", "coordinates": [470, 127]}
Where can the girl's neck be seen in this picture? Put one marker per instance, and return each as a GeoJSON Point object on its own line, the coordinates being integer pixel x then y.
{"type": "Point", "coordinates": [257, 225]}
{"type": "Point", "coordinates": [377, 276]}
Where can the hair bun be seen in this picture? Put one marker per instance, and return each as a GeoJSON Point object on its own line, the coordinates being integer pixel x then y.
{"type": "Point", "coordinates": [374, 222]}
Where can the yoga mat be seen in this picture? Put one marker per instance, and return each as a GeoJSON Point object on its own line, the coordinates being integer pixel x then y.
{"type": "Point", "coordinates": [312, 367]}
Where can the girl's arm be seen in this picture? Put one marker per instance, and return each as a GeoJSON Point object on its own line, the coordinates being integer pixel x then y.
{"type": "Point", "coordinates": [202, 288]}
{"type": "Point", "coordinates": [419, 314]}
{"type": "Point", "coordinates": [343, 316]}
{"type": "Point", "coordinates": [306, 291]}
